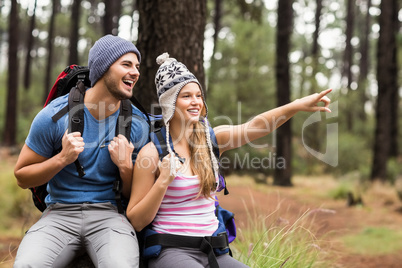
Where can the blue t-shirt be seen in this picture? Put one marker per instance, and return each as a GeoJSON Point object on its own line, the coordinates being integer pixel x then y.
{"type": "Point", "coordinates": [96, 186]}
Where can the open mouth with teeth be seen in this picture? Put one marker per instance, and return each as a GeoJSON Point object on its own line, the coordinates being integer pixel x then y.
{"type": "Point", "coordinates": [193, 111]}
{"type": "Point", "coordinates": [128, 83]}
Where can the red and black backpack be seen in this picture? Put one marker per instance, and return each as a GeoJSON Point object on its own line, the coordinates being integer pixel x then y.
{"type": "Point", "coordinates": [74, 80]}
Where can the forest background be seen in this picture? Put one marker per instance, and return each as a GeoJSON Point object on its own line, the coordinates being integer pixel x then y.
{"type": "Point", "coordinates": [250, 56]}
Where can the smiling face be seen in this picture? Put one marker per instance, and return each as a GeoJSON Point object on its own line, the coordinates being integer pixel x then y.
{"type": "Point", "coordinates": [189, 103]}
{"type": "Point", "coordinates": [122, 76]}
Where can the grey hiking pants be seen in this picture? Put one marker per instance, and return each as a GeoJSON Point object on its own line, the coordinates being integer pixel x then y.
{"type": "Point", "coordinates": [66, 230]}
{"type": "Point", "coordinates": [189, 257]}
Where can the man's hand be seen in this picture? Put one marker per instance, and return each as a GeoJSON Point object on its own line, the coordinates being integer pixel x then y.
{"type": "Point", "coordinates": [120, 151]}
{"type": "Point", "coordinates": [72, 145]}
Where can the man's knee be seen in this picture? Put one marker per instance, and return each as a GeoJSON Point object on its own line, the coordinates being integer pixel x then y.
{"type": "Point", "coordinates": [120, 262]}
{"type": "Point", "coordinates": [29, 261]}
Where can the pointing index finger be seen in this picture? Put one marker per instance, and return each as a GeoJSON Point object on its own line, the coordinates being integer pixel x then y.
{"type": "Point", "coordinates": [324, 92]}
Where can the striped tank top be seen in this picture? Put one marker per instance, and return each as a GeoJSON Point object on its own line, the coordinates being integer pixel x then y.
{"type": "Point", "coordinates": [181, 214]}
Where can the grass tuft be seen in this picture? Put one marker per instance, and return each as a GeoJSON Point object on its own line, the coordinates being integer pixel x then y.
{"type": "Point", "coordinates": [276, 242]}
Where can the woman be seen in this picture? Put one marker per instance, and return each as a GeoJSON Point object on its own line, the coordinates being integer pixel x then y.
{"type": "Point", "coordinates": [178, 197]}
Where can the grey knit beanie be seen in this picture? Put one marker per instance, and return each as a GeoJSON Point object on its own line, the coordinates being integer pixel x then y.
{"type": "Point", "coordinates": [170, 78]}
{"type": "Point", "coordinates": [105, 52]}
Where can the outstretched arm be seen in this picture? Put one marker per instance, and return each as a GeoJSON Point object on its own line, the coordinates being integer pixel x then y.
{"type": "Point", "coordinates": [230, 137]}
{"type": "Point", "coordinates": [33, 169]}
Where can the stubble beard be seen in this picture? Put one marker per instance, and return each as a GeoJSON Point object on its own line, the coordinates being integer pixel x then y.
{"type": "Point", "coordinates": [113, 87]}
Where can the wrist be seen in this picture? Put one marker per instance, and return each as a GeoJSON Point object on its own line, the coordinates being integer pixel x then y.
{"type": "Point", "coordinates": [61, 160]}
{"type": "Point", "coordinates": [162, 181]}
{"type": "Point", "coordinates": [292, 108]}
{"type": "Point", "coordinates": [126, 168]}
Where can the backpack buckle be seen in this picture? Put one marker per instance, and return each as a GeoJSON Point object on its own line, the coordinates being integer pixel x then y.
{"type": "Point", "coordinates": [80, 168]}
{"type": "Point", "coordinates": [116, 186]}
{"type": "Point", "coordinates": [224, 235]}
{"type": "Point", "coordinates": [81, 77]}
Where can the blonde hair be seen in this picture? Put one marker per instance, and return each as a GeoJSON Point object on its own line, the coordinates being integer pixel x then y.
{"type": "Point", "coordinates": [202, 158]}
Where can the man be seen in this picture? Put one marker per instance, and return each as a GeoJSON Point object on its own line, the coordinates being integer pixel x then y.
{"type": "Point", "coordinates": [81, 212]}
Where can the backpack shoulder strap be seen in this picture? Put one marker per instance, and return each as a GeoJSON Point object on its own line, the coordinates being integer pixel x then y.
{"type": "Point", "coordinates": [141, 108]}
{"type": "Point", "coordinates": [76, 116]}
{"type": "Point", "coordinates": [215, 149]}
{"type": "Point", "coordinates": [75, 97]}
{"type": "Point", "coordinates": [158, 138]}
{"type": "Point", "coordinates": [60, 114]}
{"type": "Point", "coordinates": [75, 110]}
{"type": "Point", "coordinates": [123, 127]}
{"type": "Point", "coordinates": [124, 121]}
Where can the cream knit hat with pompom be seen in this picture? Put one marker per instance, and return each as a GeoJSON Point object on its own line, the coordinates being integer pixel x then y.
{"type": "Point", "coordinates": [170, 78]}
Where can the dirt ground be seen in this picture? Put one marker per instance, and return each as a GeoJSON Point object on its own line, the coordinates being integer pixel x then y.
{"type": "Point", "coordinates": [332, 218]}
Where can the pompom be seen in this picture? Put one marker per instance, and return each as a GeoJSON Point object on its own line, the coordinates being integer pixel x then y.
{"type": "Point", "coordinates": [162, 58]}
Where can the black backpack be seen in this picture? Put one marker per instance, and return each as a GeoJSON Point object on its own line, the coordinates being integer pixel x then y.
{"type": "Point", "coordinates": [73, 81]}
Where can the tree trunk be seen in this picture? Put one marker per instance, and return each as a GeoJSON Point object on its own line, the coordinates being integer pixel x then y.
{"type": "Point", "coordinates": [315, 51]}
{"type": "Point", "coordinates": [364, 63]}
{"type": "Point", "coordinates": [50, 41]}
{"type": "Point", "coordinates": [347, 57]}
{"type": "Point", "coordinates": [30, 44]}
{"type": "Point", "coordinates": [283, 174]}
{"type": "Point", "coordinates": [134, 9]}
{"type": "Point", "coordinates": [10, 129]}
{"type": "Point", "coordinates": [176, 27]}
{"type": "Point", "coordinates": [112, 15]}
{"type": "Point", "coordinates": [217, 27]}
{"type": "Point", "coordinates": [74, 35]}
{"type": "Point", "coordinates": [394, 84]}
{"type": "Point", "coordinates": [312, 133]}
{"type": "Point", "coordinates": [365, 44]}
{"type": "Point", "coordinates": [1, 30]}
{"type": "Point", "coordinates": [387, 85]}
{"type": "Point", "coordinates": [217, 23]}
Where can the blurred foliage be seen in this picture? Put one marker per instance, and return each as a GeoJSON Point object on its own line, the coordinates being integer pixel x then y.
{"type": "Point", "coordinates": [241, 85]}
{"type": "Point", "coordinates": [15, 203]}
{"type": "Point", "coordinates": [241, 78]}
{"type": "Point", "coordinates": [394, 169]}
{"type": "Point", "coordinates": [2, 102]}
{"type": "Point", "coordinates": [375, 241]}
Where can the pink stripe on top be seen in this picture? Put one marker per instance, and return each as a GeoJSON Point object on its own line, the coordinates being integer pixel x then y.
{"type": "Point", "coordinates": [182, 213]}
{"type": "Point", "coordinates": [175, 209]}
